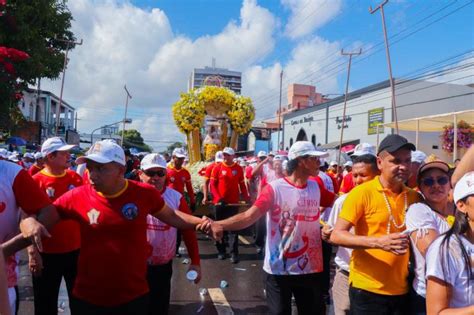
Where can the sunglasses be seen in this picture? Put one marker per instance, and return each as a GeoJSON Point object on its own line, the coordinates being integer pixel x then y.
{"type": "Point", "coordinates": [159, 173]}
{"type": "Point", "coordinates": [429, 181]}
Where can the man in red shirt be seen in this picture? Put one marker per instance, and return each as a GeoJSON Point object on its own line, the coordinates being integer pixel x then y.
{"type": "Point", "coordinates": [112, 213]}
{"type": "Point", "coordinates": [178, 177]}
{"type": "Point", "coordinates": [60, 252]}
{"type": "Point", "coordinates": [228, 185]}
{"type": "Point", "coordinates": [37, 165]}
{"type": "Point", "coordinates": [207, 177]}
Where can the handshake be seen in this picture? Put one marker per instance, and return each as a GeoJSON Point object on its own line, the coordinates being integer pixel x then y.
{"type": "Point", "coordinates": [210, 227]}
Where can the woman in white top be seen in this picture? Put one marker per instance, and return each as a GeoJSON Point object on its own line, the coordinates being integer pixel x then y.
{"type": "Point", "coordinates": [450, 258]}
{"type": "Point", "coordinates": [426, 221]}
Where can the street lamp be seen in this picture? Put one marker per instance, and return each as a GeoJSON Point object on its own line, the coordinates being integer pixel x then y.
{"type": "Point", "coordinates": [124, 121]}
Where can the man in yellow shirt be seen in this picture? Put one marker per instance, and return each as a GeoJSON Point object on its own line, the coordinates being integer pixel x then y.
{"type": "Point", "coordinates": [376, 210]}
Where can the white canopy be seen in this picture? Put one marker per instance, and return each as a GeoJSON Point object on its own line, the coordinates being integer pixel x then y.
{"type": "Point", "coordinates": [433, 123]}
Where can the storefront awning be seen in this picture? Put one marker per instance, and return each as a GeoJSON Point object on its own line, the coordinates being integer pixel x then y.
{"type": "Point", "coordinates": [335, 144]}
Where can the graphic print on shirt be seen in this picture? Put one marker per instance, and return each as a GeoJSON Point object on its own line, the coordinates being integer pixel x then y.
{"type": "Point", "coordinates": [93, 216]}
{"type": "Point", "coordinates": [50, 192]}
{"type": "Point", "coordinates": [130, 211]}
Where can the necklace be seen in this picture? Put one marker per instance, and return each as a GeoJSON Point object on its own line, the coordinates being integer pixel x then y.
{"type": "Point", "coordinates": [391, 219]}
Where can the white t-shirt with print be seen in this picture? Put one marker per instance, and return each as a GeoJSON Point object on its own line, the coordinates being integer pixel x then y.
{"type": "Point", "coordinates": [293, 243]}
{"type": "Point", "coordinates": [161, 236]}
{"type": "Point", "coordinates": [421, 218]}
{"type": "Point", "coordinates": [343, 255]}
{"type": "Point", "coordinates": [329, 185]}
{"type": "Point", "coordinates": [455, 271]}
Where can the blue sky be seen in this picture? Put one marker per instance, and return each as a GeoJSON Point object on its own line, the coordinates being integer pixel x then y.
{"type": "Point", "coordinates": [152, 46]}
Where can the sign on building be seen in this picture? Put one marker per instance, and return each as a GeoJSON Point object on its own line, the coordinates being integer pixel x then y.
{"type": "Point", "coordinates": [376, 117]}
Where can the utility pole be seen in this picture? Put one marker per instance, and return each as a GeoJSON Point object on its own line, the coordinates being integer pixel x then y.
{"type": "Point", "coordinates": [279, 112]}
{"type": "Point", "coordinates": [75, 122]}
{"type": "Point", "coordinates": [58, 107]}
{"type": "Point", "coordinates": [350, 54]}
{"type": "Point", "coordinates": [128, 96]}
{"type": "Point", "coordinates": [392, 84]}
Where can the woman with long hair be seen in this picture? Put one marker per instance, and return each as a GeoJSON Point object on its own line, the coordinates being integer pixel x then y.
{"type": "Point", "coordinates": [450, 258]}
{"type": "Point", "coordinates": [426, 220]}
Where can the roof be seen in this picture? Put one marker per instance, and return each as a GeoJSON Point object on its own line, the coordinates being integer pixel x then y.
{"type": "Point", "coordinates": [433, 123]}
{"type": "Point", "coordinates": [340, 99]}
{"type": "Point", "coordinates": [30, 90]}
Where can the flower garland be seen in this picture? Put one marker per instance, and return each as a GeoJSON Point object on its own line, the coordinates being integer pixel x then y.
{"type": "Point", "coordinates": [191, 109]}
{"type": "Point", "coordinates": [465, 136]}
{"type": "Point", "coordinates": [241, 114]}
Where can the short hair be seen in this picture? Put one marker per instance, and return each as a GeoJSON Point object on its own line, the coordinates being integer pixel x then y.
{"type": "Point", "coordinates": [291, 166]}
{"type": "Point", "coordinates": [367, 159]}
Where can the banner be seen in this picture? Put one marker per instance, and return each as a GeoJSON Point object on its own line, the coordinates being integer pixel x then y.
{"type": "Point", "coordinates": [376, 117]}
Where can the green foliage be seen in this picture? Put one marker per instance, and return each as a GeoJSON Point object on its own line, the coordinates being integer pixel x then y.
{"type": "Point", "coordinates": [37, 28]}
{"type": "Point", "coordinates": [133, 138]}
{"type": "Point", "coordinates": [171, 147]}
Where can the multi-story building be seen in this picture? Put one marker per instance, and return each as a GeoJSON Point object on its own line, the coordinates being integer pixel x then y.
{"type": "Point", "coordinates": [217, 77]}
{"type": "Point", "coordinates": [41, 107]}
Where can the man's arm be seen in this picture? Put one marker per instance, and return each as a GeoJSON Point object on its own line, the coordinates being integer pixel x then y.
{"type": "Point", "coordinates": [190, 190]}
{"type": "Point", "coordinates": [4, 305]}
{"type": "Point", "coordinates": [242, 220]}
{"type": "Point", "coordinates": [465, 165]}
{"type": "Point", "coordinates": [258, 169]}
{"type": "Point", "coordinates": [396, 243]}
{"type": "Point", "coordinates": [178, 219]}
{"type": "Point", "coordinates": [205, 191]}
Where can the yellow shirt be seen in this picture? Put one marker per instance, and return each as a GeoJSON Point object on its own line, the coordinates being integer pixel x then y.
{"type": "Point", "coordinates": [376, 270]}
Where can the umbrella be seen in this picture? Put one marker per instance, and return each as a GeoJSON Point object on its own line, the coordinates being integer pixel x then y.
{"type": "Point", "coordinates": [16, 141]}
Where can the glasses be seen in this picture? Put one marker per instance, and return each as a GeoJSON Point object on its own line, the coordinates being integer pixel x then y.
{"type": "Point", "coordinates": [159, 173]}
{"type": "Point", "coordinates": [429, 181]}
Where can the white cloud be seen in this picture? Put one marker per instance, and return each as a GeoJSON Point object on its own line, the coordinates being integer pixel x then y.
{"type": "Point", "coordinates": [461, 73]}
{"type": "Point", "coordinates": [308, 15]}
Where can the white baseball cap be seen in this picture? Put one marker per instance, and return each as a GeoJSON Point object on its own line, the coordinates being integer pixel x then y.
{"type": "Point", "coordinates": [219, 156]}
{"type": "Point", "coordinates": [228, 150]}
{"type": "Point", "coordinates": [418, 157]}
{"type": "Point", "coordinates": [302, 148]}
{"type": "Point", "coordinates": [333, 163]}
{"type": "Point", "coordinates": [179, 152]}
{"type": "Point", "coordinates": [348, 163]}
{"type": "Point", "coordinates": [464, 187]}
{"type": "Point", "coordinates": [104, 151]}
{"type": "Point", "coordinates": [261, 154]}
{"type": "Point", "coordinates": [55, 144]}
{"type": "Point", "coordinates": [38, 155]}
{"type": "Point", "coordinates": [29, 155]}
{"type": "Point", "coordinates": [3, 153]}
{"type": "Point", "coordinates": [271, 153]}
{"type": "Point", "coordinates": [364, 148]}
{"type": "Point", "coordinates": [153, 160]}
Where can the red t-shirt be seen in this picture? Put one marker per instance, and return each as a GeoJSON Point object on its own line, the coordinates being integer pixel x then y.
{"type": "Point", "coordinates": [34, 169]}
{"type": "Point", "coordinates": [65, 235]}
{"type": "Point", "coordinates": [347, 183]}
{"type": "Point", "coordinates": [226, 181]}
{"type": "Point", "coordinates": [28, 195]}
{"type": "Point", "coordinates": [178, 179]}
{"type": "Point", "coordinates": [326, 195]}
{"type": "Point", "coordinates": [209, 168]}
{"type": "Point", "coordinates": [114, 250]}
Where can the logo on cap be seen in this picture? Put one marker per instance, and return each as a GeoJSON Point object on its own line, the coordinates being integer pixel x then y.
{"type": "Point", "coordinates": [130, 211]}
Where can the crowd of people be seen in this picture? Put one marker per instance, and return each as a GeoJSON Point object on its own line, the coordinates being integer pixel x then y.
{"type": "Point", "coordinates": [110, 224]}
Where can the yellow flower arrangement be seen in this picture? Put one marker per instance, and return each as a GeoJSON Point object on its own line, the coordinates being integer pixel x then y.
{"type": "Point", "coordinates": [188, 112]}
{"type": "Point", "coordinates": [241, 114]}
{"type": "Point", "coordinates": [210, 150]}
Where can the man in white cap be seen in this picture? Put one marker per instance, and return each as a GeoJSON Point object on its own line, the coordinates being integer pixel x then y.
{"type": "Point", "coordinates": [60, 252]}
{"type": "Point", "coordinates": [178, 178]}
{"type": "Point", "coordinates": [417, 159]}
{"type": "Point", "coordinates": [37, 165]}
{"type": "Point", "coordinates": [361, 149]}
{"type": "Point", "coordinates": [27, 160]}
{"type": "Point", "coordinates": [228, 188]}
{"type": "Point", "coordinates": [112, 212]}
{"type": "Point", "coordinates": [293, 260]}
{"type": "Point", "coordinates": [335, 174]}
{"type": "Point", "coordinates": [219, 157]}
{"type": "Point", "coordinates": [162, 237]}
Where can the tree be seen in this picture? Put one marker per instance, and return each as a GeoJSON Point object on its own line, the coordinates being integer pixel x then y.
{"type": "Point", "coordinates": [170, 148]}
{"type": "Point", "coordinates": [38, 28]}
{"type": "Point", "coordinates": [133, 138]}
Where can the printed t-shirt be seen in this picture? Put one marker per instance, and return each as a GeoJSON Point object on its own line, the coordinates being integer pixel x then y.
{"type": "Point", "coordinates": [162, 237]}
{"type": "Point", "coordinates": [293, 243]}
{"type": "Point", "coordinates": [421, 218]}
{"type": "Point", "coordinates": [225, 183]}
{"type": "Point", "coordinates": [376, 270]}
{"type": "Point", "coordinates": [65, 235]}
{"type": "Point", "coordinates": [17, 189]}
{"type": "Point", "coordinates": [178, 179]}
{"type": "Point", "coordinates": [34, 169]}
{"type": "Point", "coordinates": [445, 262]}
{"type": "Point", "coordinates": [343, 255]}
{"type": "Point", "coordinates": [114, 250]}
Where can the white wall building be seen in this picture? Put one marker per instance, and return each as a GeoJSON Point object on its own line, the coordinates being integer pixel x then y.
{"type": "Point", "coordinates": [369, 106]}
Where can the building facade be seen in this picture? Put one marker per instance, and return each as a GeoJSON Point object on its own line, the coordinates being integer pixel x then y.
{"type": "Point", "coordinates": [370, 106]}
{"type": "Point", "coordinates": [217, 77]}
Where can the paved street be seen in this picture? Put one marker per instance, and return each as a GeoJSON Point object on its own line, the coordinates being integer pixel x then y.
{"type": "Point", "coordinates": [244, 295]}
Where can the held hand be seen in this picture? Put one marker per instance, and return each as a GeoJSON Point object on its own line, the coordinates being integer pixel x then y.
{"type": "Point", "coordinates": [32, 229]}
{"type": "Point", "coordinates": [35, 262]}
{"type": "Point", "coordinates": [396, 243]}
{"type": "Point", "coordinates": [326, 232]}
{"type": "Point", "coordinates": [196, 268]}
{"type": "Point", "coordinates": [205, 225]}
{"type": "Point", "coordinates": [217, 232]}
